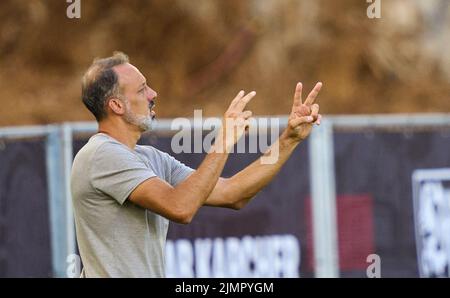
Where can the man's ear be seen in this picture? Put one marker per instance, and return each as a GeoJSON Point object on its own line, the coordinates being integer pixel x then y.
{"type": "Point", "coordinates": [117, 106]}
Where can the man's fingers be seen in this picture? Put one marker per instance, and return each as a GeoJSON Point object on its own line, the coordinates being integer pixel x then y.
{"type": "Point", "coordinates": [301, 120]}
{"type": "Point", "coordinates": [242, 117]}
{"type": "Point", "coordinates": [240, 104]}
{"type": "Point", "coordinates": [312, 96]}
{"type": "Point", "coordinates": [319, 119]}
{"type": "Point", "coordinates": [297, 96]}
{"type": "Point", "coordinates": [236, 99]}
{"type": "Point", "coordinates": [315, 111]}
{"type": "Point", "coordinates": [246, 114]}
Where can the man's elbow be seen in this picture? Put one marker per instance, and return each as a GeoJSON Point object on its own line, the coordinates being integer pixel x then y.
{"type": "Point", "coordinates": [239, 204]}
{"type": "Point", "coordinates": [185, 220]}
{"type": "Point", "coordinates": [182, 221]}
{"type": "Point", "coordinates": [182, 217]}
{"type": "Point", "coordinates": [236, 206]}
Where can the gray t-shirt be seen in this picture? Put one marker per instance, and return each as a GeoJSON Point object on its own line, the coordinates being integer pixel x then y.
{"type": "Point", "coordinates": [117, 238]}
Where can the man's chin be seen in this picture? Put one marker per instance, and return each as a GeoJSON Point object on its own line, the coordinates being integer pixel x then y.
{"type": "Point", "coordinates": [143, 123]}
{"type": "Point", "coordinates": [147, 125]}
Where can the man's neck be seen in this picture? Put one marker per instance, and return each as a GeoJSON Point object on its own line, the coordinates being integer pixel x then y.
{"type": "Point", "coordinates": [121, 132]}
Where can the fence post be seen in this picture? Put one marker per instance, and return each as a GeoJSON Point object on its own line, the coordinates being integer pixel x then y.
{"type": "Point", "coordinates": [55, 182]}
{"type": "Point", "coordinates": [326, 262]}
{"type": "Point", "coordinates": [58, 163]}
{"type": "Point", "coordinates": [67, 168]}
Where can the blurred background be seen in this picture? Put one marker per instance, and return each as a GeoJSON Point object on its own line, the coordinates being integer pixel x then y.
{"type": "Point", "coordinates": [197, 55]}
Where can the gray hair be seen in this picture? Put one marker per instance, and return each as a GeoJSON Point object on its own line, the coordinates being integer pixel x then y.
{"type": "Point", "coordinates": [100, 83]}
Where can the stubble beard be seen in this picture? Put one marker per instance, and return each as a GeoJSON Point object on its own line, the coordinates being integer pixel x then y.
{"type": "Point", "coordinates": [144, 123]}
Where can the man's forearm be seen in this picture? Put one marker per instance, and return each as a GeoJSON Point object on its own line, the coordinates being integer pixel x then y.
{"type": "Point", "coordinates": [247, 183]}
{"type": "Point", "coordinates": [199, 185]}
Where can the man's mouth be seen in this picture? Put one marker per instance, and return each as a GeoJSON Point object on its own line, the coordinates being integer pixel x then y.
{"type": "Point", "coordinates": [151, 105]}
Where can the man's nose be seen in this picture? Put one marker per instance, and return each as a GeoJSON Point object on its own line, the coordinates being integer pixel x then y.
{"type": "Point", "coordinates": [152, 95]}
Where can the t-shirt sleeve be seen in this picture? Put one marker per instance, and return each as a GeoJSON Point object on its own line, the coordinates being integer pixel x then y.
{"type": "Point", "coordinates": [178, 170]}
{"type": "Point", "coordinates": [116, 171]}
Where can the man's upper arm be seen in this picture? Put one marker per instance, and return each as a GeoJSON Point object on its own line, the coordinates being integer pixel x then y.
{"type": "Point", "coordinates": [116, 172]}
{"type": "Point", "coordinates": [154, 194]}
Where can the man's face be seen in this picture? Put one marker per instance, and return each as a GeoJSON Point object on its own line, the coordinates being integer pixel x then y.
{"type": "Point", "coordinates": [140, 98]}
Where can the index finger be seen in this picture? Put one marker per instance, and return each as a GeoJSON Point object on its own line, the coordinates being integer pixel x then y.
{"type": "Point", "coordinates": [237, 98]}
{"type": "Point", "coordinates": [297, 96]}
{"type": "Point", "coordinates": [240, 104]}
{"type": "Point", "coordinates": [312, 96]}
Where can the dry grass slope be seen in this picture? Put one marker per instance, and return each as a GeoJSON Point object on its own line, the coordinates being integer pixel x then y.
{"type": "Point", "coordinates": [198, 54]}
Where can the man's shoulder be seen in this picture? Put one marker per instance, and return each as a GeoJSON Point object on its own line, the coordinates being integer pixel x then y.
{"type": "Point", "coordinates": [153, 153]}
{"type": "Point", "coordinates": [149, 150]}
{"type": "Point", "coordinates": [99, 145]}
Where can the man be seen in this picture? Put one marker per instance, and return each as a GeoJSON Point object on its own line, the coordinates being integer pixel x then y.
{"type": "Point", "coordinates": [124, 194]}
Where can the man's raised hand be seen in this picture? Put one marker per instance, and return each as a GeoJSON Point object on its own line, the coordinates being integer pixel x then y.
{"type": "Point", "coordinates": [235, 122]}
{"type": "Point", "coordinates": [303, 114]}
